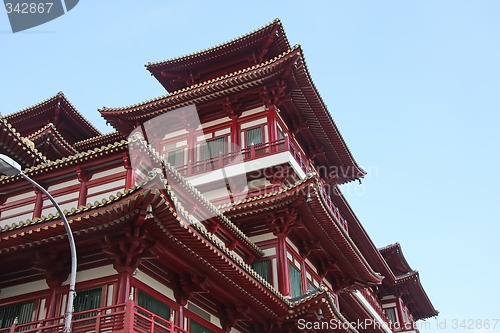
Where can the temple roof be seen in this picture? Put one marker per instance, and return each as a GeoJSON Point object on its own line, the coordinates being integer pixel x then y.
{"type": "Point", "coordinates": [124, 119]}
{"type": "Point", "coordinates": [299, 85]}
{"type": "Point", "coordinates": [306, 306]}
{"type": "Point", "coordinates": [251, 49]}
{"type": "Point", "coordinates": [123, 145]}
{"type": "Point", "coordinates": [408, 283]}
{"type": "Point", "coordinates": [97, 141]}
{"type": "Point", "coordinates": [51, 142]}
{"type": "Point", "coordinates": [325, 223]}
{"type": "Point", "coordinates": [56, 110]}
{"type": "Point", "coordinates": [15, 146]}
{"type": "Point", "coordinates": [362, 239]}
{"type": "Point", "coordinates": [393, 255]}
{"type": "Point", "coordinates": [68, 161]}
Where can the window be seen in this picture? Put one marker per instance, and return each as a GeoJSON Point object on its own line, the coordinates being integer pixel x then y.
{"type": "Point", "coordinates": [24, 312]}
{"type": "Point", "coordinates": [87, 300]}
{"type": "Point", "coordinates": [253, 136]}
{"type": "Point", "coordinates": [391, 315]}
{"type": "Point", "coordinates": [263, 268]}
{"type": "Point", "coordinates": [213, 148]}
{"type": "Point", "coordinates": [312, 282]}
{"type": "Point", "coordinates": [195, 327]}
{"type": "Point", "coordinates": [174, 157]}
{"type": "Point", "coordinates": [153, 305]}
{"type": "Point", "coordinates": [295, 283]}
{"type": "Point", "coordinates": [199, 311]}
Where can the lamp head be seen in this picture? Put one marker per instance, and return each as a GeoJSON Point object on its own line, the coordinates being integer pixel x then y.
{"type": "Point", "coordinates": [8, 166]}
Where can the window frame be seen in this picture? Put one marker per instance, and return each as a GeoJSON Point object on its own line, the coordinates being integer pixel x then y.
{"type": "Point", "coordinates": [200, 144]}
{"type": "Point", "coordinates": [38, 297]}
{"type": "Point", "coordinates": [171, 312]}
{"type": "Point", "coordinates": [189, 316]}
{"type": "Point", "coordinates": [295, 258]}
{"type": "Point", "coordinates": [270, 266]}
{"type": "Point", "coordinates": [21, 304]}
{"type": "Point", "coordinates": [262, 135]}
{"type": "Point", "coordinates": [182, 157]}
{"type": "Point", "coordinates": [395, 312]}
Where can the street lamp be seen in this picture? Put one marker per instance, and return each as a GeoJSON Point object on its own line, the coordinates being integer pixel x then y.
{"type": "Point", "coordinates": [10, 167]}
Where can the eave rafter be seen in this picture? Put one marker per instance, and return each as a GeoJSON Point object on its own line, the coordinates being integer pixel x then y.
{"type": "Point", "coordinates": [343, 263]}
{"type": "Point", "coordinates": [57, 110]}
{"type": "Point", "coordinates": [18, 147]}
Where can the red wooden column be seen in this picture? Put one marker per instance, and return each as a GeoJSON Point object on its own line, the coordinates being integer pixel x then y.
{"type": "Point", "coordinates": [124, 283]}
{"type": "Point", "coordinates": [185, 286]}
{"type": "Point", "coordinates": [129, 178]}
{"type": "Point", "coordinates": [281, 224]}
{"type": "Point", "coordinates": [271, 120]}
{"type": "Point", "coordinates": [179, 321]}
{"type": "Point", "coordinates": [37, 211]}
{"type": "Point", "coordinates": [399, 309]}
{"type": "Point", "coordinates": [283, 270]}
{"type": "Point", "coordinates": [83, 177]}
{"type": "Point", "coordinates": [127, 251]}
{"type": "Point", "coordinates": [235, 132]}
{"type": "Point", "coordinates": [55, 267]}
{"type": "Point", "coordinates": [191, 148]}
{"type": "Point", "coordinates": [233, 110]}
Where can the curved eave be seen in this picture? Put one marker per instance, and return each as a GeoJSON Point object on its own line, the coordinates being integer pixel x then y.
{"type": "Point", "coordinates": [362, 239]}
{"type": "Point", "coordinates": [366, 272]}
{"type": "Point", "coordinates": [319, 120]}
{"type": "Point", "coordinates": [301, 88]}
{"type": "Point", "coordinates": [173, 177]}
{"type": "Point", "coordinates": [29, 233]}
{"type": "Point", "coordinates": [420, 305]}
{"type": "Point", "coordinates": [306, 306]}
{"type": "Point", "coordinates": [186, 232]}
{"type": "Point", "coordinates": [393, 255]}
{"type": "Point", "coordinates": [48, 166]}
{"type": "Point", "coordinates": [57, 142]}
{"type": "Point", "coordinates": [352, 255]}
{"type": "Point", "coordinates": [98, 141]}
{"type": "Point", "coordinates": [80, 123]}
{"type": "Point", "coordinates": [18, 148]}
{"type": "Point", "coordinates": [125, 119]}
{"type": "Point", "coordinates": [354, 310]}
{"type": "Point", "coordinates": [272, 33]}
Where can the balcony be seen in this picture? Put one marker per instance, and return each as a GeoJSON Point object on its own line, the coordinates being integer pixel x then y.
{"type": "Point", "coordinates": [372, 299]}
{"type": "Point", "coordinates": [333, 209]}
{"type": "Point", "coordinates": [265, 155]}
{"type": "Point", "coordinates": [121, 318]}
{"type": "Point", "coordinates": [268, 153]}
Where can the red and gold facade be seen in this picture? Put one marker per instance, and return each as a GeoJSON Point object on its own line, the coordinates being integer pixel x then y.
{"type": "Point", "coordinates": [289, 256]}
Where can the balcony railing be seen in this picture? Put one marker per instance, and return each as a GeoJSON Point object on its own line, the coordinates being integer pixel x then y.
{"type": "Point", "coordinates": [250, 153]}
{"type": "Point", "coordinates": [372, 299]}
{"type": "Point", "coordinates": [127, 317]}
{"type": "Point", "coordinates": [334, 209]}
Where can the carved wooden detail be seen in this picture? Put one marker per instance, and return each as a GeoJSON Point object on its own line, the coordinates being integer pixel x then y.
{"type": "Point", "coordinates": [186, 285]}
{"type": "Point", "coordinates": [129, 249]}
{"type": "Point", "coordinates": [55, 266]}
{"type": "Point", "coordinates": [282, 222]}
{"type": "Point", "coordinates": [231, 314]}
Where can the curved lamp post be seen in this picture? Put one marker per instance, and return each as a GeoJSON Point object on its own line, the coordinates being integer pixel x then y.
{"type": "Point", "coordinates": [10, 167]}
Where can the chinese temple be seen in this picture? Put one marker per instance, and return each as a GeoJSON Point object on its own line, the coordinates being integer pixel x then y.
{"type": "Point", "coordinates": [231, 222]}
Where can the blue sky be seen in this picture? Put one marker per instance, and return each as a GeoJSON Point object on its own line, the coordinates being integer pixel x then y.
{"type": "Point", "coordinates": [413, 86]}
